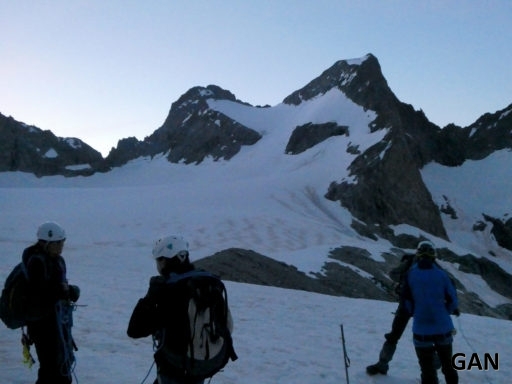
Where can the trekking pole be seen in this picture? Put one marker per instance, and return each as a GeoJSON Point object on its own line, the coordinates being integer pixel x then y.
{"type": "Point", "coordinates": [346, 359]}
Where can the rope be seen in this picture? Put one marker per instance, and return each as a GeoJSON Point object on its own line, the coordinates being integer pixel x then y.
{"type": "Point", "coordinates": [64, 325]}
{"type": "Point", "coordinates": [156, 346]}
{"type": "Point", "coordinates": [470, 345]}
{"type": "Point", "coordinates": [149, 372]}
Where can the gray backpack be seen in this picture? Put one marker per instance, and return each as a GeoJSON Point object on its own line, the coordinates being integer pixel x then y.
{"type": "Point", "coordinates": [209, 342]}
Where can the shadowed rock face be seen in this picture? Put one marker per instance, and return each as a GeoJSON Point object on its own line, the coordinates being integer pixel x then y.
{"type": "Point", "coordinates": [247, 266]}
{"type": "Point", "coordinates": [209, 135]}
{"type": "Point", "coordinates": [308, 135]}
{"type": "Point", "coordinates": [502, 231]}
{"type": "Point", "coordinates": [30, 149]}
{"type": "Point", "coordinates": [191, 132]}
{"type": "Point", "coordinates": [388, 189]}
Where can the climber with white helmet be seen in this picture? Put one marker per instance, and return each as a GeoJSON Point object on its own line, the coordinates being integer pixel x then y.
{"type": "Point", "coordinates": [51, 332]}
{"type": "Point", "coordinates": [186, 312]}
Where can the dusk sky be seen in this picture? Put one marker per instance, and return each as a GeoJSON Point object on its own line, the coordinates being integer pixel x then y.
{"type": "Point", "coordinates": [105, 70]}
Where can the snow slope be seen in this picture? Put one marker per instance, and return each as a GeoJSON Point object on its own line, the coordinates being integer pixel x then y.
{"type": "Point", "coordinates": [282, 336]}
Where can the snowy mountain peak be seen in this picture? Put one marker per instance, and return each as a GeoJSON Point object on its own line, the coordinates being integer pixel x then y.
{"type": "Point", "coordinates": [361, 80]}
{"type": "Point", "coordinates": [200, 94]}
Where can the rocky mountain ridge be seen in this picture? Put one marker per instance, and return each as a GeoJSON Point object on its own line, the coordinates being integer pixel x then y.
{"type": "Point", "coordinates": [384, 188]}
{"type": "Point", "coordinates": [29, 149]}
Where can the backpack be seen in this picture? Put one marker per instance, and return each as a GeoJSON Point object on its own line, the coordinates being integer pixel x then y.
{"type": "Point", "coordinates": [209, 345]}
{"type": "Point", "coordinates": [17, 304]}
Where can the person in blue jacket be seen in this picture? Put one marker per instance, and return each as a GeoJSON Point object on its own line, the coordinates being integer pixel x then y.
{"type": "Point", "coordinates": [430, 297]}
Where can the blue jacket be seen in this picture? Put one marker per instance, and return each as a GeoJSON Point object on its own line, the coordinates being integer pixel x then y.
{"type": "Point", "coordinates": [430, 297]}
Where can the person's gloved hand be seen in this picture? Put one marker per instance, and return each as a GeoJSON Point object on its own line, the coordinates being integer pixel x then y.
{"type": "Point", "coordinates": [74, 293]}
{"type": "Point", "coordinates": [156, 289]}
{"type": "Point", "coordinates": [67, 292]}
{"type": "Point", "coordinates": [456, 312]}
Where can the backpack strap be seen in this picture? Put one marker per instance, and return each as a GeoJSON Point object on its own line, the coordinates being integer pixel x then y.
{"type": "Point", "coordinates": [29, 258]}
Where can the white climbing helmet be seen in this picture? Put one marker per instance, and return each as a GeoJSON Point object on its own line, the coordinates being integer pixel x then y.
{"type": "Point", "coordinates": [426, 249]}
{"type": "Point", "coordinates": [171, 246]}
{"type": "Point", "coordinates": [51, 231]}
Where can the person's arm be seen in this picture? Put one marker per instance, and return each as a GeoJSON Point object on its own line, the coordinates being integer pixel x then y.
{"type": "Point", "coordinates": [36, 272]}
{"type": "Point", "coordinates": [451, 299]}
{"type": "Point", "coordinates": [144, 319]}
{"type": "Point", "coordinates": [406, 297]}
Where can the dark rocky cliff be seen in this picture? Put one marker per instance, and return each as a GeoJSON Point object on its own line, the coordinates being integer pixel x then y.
{"type": "Point", "coordinates": [30, 149]}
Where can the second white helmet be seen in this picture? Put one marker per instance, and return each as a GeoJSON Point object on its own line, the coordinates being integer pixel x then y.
{"type": "Point", "coordinates": [171, 246]}
{"type": "Point", "coordinates": [51, 231]}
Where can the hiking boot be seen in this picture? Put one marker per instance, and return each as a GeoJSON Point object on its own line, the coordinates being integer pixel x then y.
{"type": "Point", "coordinates": [374, 369]}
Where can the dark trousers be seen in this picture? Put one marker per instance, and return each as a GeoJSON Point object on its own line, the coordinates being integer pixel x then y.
{"type": "Point", "coordinates": [49, 349]}
{"type": "Point", "coordinates": [397, 329]}
{"type": "Point", "coordinates": [168, 380]}
{"type": "Point", "coordinates": [426, 359]}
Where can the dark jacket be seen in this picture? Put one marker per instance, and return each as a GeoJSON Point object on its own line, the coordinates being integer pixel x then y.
{"type": "Point", "coordinates": [399, 273]}
{"type": "Point", "coordinates": [157, 311]}
{"type": "Point", "coordinates": [50, 333]}
{"type": "Point", "coordinates": [46, 276]}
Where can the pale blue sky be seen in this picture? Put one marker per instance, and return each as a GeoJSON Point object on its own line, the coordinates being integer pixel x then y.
{"type": "Point", "coordinates": [102, 70]}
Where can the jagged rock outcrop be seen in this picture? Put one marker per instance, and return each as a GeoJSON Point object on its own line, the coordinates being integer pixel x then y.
{"type": "Point", "coordinates": [242, 265]}
{"type": "Point", "coordinates": [308, 135]}
{"type": "Point", "coordinates": [388, 188]}
{"type": "Point", "coordinates": [453, 145]}
{"type": "Point", "coordinates": [338, 279]}
{"type": "Point", "coordinates": [191, 132]}
{"type": "Point", "coordinates": [247, 266]}
{"type": "Point", "coordinates": [489, 133]}
{"type": "Point", "coordinates": [128, 149]}
{"type": "Point", "coordinates": [502, 231]}
{"type": "Point", "coordinates": [30, 149]}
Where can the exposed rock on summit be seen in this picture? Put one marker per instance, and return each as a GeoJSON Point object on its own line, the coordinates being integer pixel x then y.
{"type": "Point", "coordinates": [191, 132]}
